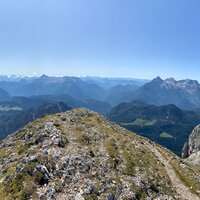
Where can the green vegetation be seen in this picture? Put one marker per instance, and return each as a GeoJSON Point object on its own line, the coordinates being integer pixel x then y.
{"type": "Point", "coordinates": [82, 138]}
{"type": "Point", "coordinates": [7, 108]}
{"type": "Point", "coordinates": [2, 153]}
{"type": "Point", "coordinates": [187, 173]}
{"type": "Point", "coordinates": [20, 147]}
{"type": "Point", "coordinates": [165, 135]}
{"type": "Point", "coordinates": [112, 150]}
{"type": "Point", "coordinates": [58, 185]}
{"type": "Point", "coordinates": [129, 163]}
{"type": "Point", "coordinates": [140, 122]}
{"type": "Point", "coordinates": [186, 178]}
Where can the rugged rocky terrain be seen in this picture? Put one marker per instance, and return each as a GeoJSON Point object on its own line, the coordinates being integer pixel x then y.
{"type": "Point", "coordinates": [191, 149]}
{"type": "Point", "coordinates": [80, 155]}
{"type": "Point", "coordinates": [184, 93]}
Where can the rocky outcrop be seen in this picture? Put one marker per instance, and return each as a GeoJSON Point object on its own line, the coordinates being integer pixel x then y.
{"type": "Point", "coordinates": [191, 149]}
{"type": "Point", "coordinates": [79, 155]}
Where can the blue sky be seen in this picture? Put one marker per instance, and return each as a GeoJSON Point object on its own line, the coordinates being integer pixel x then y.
{"type": "Point", "coordinates": [128, 38]}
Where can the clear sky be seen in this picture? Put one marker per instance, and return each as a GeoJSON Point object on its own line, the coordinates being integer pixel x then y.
{"type": "Point", "coordinates": [129, 38]}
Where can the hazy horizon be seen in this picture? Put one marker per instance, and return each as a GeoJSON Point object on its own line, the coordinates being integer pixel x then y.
{"type": "Point", "coordinates": [103, 77]}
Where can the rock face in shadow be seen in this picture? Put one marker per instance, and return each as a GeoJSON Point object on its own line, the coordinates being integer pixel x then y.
{"type": "Point", "coordinates": [81, 155]}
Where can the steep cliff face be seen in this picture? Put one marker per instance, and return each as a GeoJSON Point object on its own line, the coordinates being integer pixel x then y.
{"type": "Point", "coordinates": [80, 155]}
{"type": "Point", "coordinates": [191, 149]}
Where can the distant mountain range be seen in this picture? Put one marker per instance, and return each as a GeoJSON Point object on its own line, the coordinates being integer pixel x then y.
{"type": "Point", "coordinates": [45, 85]}
{"type": "Point", "coordinates": [112, 82]}
{"type": "Point", "coordinates": [113, 91]}
{"type": "Point", "coordinates": [184, 94]}
{"type": "Point", "coordinates": [110, 90]}
{"type": "Point", "coordinates": [79, 88]}
{"type": "Point", "coordinates": [17, 78]}
{"type": "Point", "coordinates": [168, 125]}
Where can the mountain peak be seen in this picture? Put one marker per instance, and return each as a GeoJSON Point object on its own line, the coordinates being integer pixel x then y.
{"type": "Point", "coordinates": [80, 155]}
{"type": "Point", "coordinates": [170, 80]}
{"type": "Point", "coordinates": [187, 85]}
{"type": "Point", "coordinates": [44, 76]}
{"type": "Point", "coordinates": [157, 79]}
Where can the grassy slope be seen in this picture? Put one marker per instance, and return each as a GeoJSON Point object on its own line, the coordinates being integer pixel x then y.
{"type": "Point", "coordinates": [127, 155]}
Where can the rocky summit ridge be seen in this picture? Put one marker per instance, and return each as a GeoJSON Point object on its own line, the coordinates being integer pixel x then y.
{"type": "Point", "coordinates": [80, 155]}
